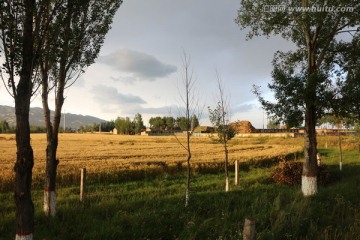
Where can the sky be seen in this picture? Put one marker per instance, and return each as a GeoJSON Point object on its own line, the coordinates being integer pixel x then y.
{"type": "Point", "coordinates": [139, 68]}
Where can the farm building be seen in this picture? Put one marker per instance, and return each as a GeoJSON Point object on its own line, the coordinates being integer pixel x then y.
{"type": "Point", "coordinates": [160, 132]}
{"type": "Point", "coordinates": [114, 131]}
{"type": "Point", "coordinates": [203, 130]}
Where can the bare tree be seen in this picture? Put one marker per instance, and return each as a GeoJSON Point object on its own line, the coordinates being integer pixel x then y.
{"type": "Point", "coordinates": [220, 118]}
{"type": "Point", "coordinates": [191, 108]}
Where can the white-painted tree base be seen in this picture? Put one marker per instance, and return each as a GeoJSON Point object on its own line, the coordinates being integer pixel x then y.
{"type": "Point", "coordinates": [340, 165]}
{"type": "Point", "coordinates": [308, 185]}
{"type": "Point", "coordinates": [50, 203]}
{"type": "Point", "coordinates": [226, 184]}
{"type": "Point", "coordinates": [187, 198]}
{"type": "Point", "coordinates": [24, 237]}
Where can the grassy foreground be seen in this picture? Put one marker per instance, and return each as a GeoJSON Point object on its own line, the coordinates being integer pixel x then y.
{"type": "Point", "coordinates": [154, 208]}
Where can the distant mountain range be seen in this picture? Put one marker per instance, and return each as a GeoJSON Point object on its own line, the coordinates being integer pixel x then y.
{"type": "Point", "coordinates": [73, 121]}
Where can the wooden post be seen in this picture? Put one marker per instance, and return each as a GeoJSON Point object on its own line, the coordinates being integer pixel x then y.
{"type": "Point", "coordinates": [236, 172]}
{"type": "Point", "coordinates": [249, 229]}
{"type": "Point", "coordinates": [82, 184]}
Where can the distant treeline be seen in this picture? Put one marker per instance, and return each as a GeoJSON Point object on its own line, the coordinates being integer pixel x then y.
{"type": "Point", "coordinates": [5, 127]}
{"type": "Point", "coordinates": [126, 126]}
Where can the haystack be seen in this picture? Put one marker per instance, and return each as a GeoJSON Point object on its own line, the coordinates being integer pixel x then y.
{"type": "Point", "coordinates": [243, 127]}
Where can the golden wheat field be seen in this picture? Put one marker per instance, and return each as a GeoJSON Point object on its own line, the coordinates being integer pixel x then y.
{"type": "Point", "coordinates": [113, 154]}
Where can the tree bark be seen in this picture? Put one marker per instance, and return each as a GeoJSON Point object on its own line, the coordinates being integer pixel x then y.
{"type": "Point", "coordinates": [309, 175]}
{"type": "Point", "coordinates": [226, 166]}
{"type": "Point", "coordinates": [23, 171]}
{"type": "Point", "coordinates": [50, 174]}
{"type": "Point", "coordinates": [52, 130]}
{"type": "Point", "coordinates": [236, 172]}
{"type": "Point", "coordinates": [187, 193]}
{"type": "Point", "coordinates": [249, 231]}
{"type": "Point", "coordinates": [24, 156]}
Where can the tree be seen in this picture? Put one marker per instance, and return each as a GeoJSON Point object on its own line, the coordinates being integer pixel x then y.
{"type": "Point", "coordinates": [156, 122]}
{"type": "Point", "coordinates": [20, 41]}
{"type": "Point", "coordinates": [108, 126]}
{"type": "Point", "coordinates": [72, 42]}
{"type": "Point", "coordinates": [303, 79]}
{"type": "Point", "coordinates": [182, 121]}
{"type": "Point", "coordinates": [273, 124]}
{"type": "Point", "coordinates": [191, 108]}
{"type": "Point", "coordinates": [220, 119]}
{"type": "Point", "coordinates": [138, 123]}
{"type": "Point", "coordinates": [169, 122]}
{"type": "Point", "coordinates": [4, 127]}
{"type": "Point", "coordinates": [124, 125]}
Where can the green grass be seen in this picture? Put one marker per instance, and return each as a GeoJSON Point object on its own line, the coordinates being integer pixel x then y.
{"type": "Point", "coordinates": [154, 208]}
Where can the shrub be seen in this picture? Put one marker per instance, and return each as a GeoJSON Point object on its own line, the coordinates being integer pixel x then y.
{"type": "Point", "coordinates": [289, 173]}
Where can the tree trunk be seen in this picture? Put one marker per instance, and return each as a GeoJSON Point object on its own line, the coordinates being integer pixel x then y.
{"type": "Point", "coordinates": [236, 172]}
{"type": "Point", "coordinates": [187, 193]}
{"type": "Point", "coordinates": [50, 179]}
{"type": "Point", "coordinates": [340, 149]}
{"type": "Point", "coordinates": [23, 172]}
{"type": "Point", "coordinates": [24, 156]}
{"type": "Point", "coordinates": [249, 231]}
{"type": "Point", "coordinates": [226, 166]}
{"type": "Point", "coordinates": [52, 131]}
{"type": "Point", "coordinates": [309, 175]}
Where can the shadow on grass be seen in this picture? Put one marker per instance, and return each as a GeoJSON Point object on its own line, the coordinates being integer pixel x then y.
{"type": "Point", "coordinates": [154, 209]}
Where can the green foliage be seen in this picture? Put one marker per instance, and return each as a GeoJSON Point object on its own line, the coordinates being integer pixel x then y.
{"type": "Point", "coordinates": [309, 76]}
{"type": "Point", "coordinates": [184, 124]}
{"type": "Point", "coordinates": [76, 35]}
{"type": "Point", "coordinates": [4, 127]}
{"type": "Point", "coordinates": [273, 124]}
{"type": "Point", "coordinates": [37, 129]}
{"type": "Point", "coordinates": [107, 126]}
{"type": "Point", "coordinates": [138, 123]}
{"type": "Point", "coordinates": [170, 123]}
{"type": "Point", "coordinates": [124, 125]}
{"type": "Point", "coordinates": [157, 122]}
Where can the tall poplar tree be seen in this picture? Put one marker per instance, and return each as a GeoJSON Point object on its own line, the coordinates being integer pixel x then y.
{"type": "Point", "coordinates": [20, 27]}
{"type": "Point", "coordinates": [75, 37]}
{"type": "Point", "coordinates": [304, 79]}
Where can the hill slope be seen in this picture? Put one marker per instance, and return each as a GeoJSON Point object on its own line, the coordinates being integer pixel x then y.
{"type": "Point", "coordinates": [37, 118]}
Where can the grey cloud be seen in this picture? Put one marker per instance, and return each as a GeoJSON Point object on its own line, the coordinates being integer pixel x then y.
{"type": "Point", "coordinates": [243, 108]}
{"type": "Point", "coordinates": [162, 111]}
{"type": "Point", "coordinates": [140, 65]}
{"type": "Point", "coordinates": [130, 80]}
{"type": "Point", "coordinates": [110, 95]}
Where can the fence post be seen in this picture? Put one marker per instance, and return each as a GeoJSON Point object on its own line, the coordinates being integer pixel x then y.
{"type": "Point", "coordinates": [318, 159]}
{"type": "Point", "coordinates": [236, 172]}
{"type": "Point", "coordinates": [249, 229]}
{"type": "Point", "coordinates": [82, 184]}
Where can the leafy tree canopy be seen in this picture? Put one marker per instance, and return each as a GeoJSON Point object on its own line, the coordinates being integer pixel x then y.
{"type": "Point", "coordinates": [324, 66]}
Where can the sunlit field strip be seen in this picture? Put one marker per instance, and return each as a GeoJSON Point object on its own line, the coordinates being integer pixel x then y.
{"type": "Point", "coordinates": [111, 153]}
